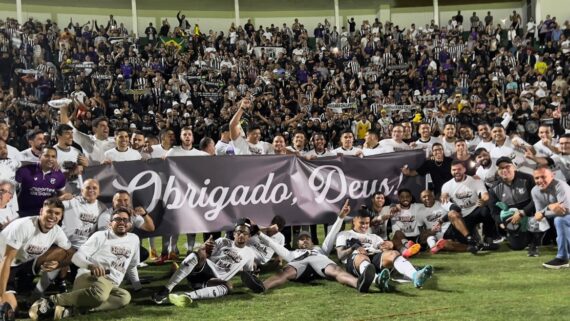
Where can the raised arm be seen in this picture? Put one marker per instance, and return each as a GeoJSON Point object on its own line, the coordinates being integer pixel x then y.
{"type": "Point", "coordinates": [328, 244]}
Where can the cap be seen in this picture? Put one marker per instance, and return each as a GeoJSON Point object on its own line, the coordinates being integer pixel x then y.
{"type": "Point", "coordinates": [175, 103]}
{"type": "Point", "coordinates": [303, 233]}
{"type": "Point", "coordinates": [186, 115]}
{"type": "Point", "coordinates": [133, 125]}
{"type": "Point", "coordinates": [442, 91]}
{"type": "Point", "coordinates": [504, 159]}
{"type": "Point", "coordinates": [417, 92]}
{"type": "Point", "coordinates": [169, 110]}
{"type": "Point", "coordinates": [150, 112]}
{"type": "Point", "coordinates": [117, 111]}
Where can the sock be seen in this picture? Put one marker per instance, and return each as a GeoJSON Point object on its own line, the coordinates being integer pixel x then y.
{"type": "Point", "coordinates": [185, 268]}
{"type": "Point", "coordinates": [151, 243]}
{"type": "Point", "coordinates": [405, 243]}
{"type": "Point", "coordinates": [45, 280]}
{"type": "Point", "coordinates": [190, 241]}
{"type": "Point", "coordinates": [208, 292]}
{"type": "Point", "coordinates": [174, 243]}
{"type": "Point", "coordinates": [404, 267]}
{"type": "Point", "coordinates": [363, 266]}
{"type": "Point", "coordinates": [431, 240]}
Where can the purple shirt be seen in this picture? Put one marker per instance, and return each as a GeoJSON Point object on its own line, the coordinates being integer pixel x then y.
{"type": "Point", "coordinates": [36, 187]}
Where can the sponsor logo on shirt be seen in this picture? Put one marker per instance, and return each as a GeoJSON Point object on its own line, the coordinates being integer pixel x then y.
{"type": "Point", "coordinates": [120, 251]}
{"type": "Point", "coordinates": [35, 249]}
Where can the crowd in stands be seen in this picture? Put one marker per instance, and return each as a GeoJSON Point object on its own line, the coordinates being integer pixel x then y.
{"type": "Point", "coordinates": [485, 99]}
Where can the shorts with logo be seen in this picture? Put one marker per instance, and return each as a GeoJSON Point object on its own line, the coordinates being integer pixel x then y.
{"type": "Point", "coordinates": [375, 259]}
{"type": "Point", "coordinates": [311, 264]}
{"type": "Point", "coordinates": [199, 278]}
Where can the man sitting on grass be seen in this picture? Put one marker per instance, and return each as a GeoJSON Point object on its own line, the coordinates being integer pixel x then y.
{"type": "Point", "coordinates": [210, 269]}
{"type": "Point", "coordinates": [309, 262]}
{"type": "Point", "coordinates": [362, 252]}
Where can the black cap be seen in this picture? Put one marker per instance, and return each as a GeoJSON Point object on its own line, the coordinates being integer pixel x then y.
{"type": "Point", "coordinates": [504, 159]}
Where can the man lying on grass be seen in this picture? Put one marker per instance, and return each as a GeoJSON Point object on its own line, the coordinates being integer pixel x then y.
{"type": "Point", "coordinates": [309, 262]}
{"type": "Point", "coordinates": [210, 269]}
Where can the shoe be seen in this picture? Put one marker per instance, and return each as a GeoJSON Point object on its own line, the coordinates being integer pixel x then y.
{"type": "Point", "coordinates": [7, 313]}
{"type": "Point", "coordinates": [440, 245]}
{"type": "Point", "coordinates": [499, 240]}
{"type": "Point", "coordinates": [252, 282]}
{"type": "Point", "coordinates": [142, 265]}
{"type": "Point", "coordinates": [366, 278]}
{"type": "Point", "coordinates": [383, 281]}
{"type": "Point", "coordinates": [420, 277]}
{"type": "Point", "coordinates": [61, 312]}
{"type": "Point", "coordinates": [42, 308]}
{"type": "Point", "coordinates": [410, 244]}
{"type": "Point", "coordinates": [412, 250]}
{"type": "Point", "coordinates": [556, 264]}
{"type": "Point", "coordinates": [162, 259]}
{"type": "Point", "coordinates": [173, 256]}
{"type": "Point", "coordinates": [60, 285]}
{"type": "Point", "coordinates": [488, 247]}
{"type": "Point", "coordinates": [173, 267]}
{"type": "Point", "coordinates": [472, 245]}
{"type": "Point", "coordinates": [161, 296]}
{"type": "Point", "coordinates": [153, 255]}
{"type": "Point", "coordinates": [180, 300]}
{"type": "Point", "coordinates": [533, 251]}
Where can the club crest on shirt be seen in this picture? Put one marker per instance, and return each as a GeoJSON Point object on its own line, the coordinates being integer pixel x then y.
{"type": "Point", "coordinates": [52, 181]}
{"type": "Point", "coordinates": [120, 251]}
{"type": "Point", "coordinates": [35, 249]}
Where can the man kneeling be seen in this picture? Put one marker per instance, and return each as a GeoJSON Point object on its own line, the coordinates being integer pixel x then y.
{"type": "Point", "coordinates": [103, 262]}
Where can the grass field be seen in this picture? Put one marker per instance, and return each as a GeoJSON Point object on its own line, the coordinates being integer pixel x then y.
{"type": "Point", "coordinates": [503, 285]}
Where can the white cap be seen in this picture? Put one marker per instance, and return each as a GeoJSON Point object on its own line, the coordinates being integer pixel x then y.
{"type": "Point", "coordinates": [175, 103]}
{"type": "Point", "coordinates": [417, 92]}
{"type": "Point", "coordinates": [117, 111]}
{"type": "Point", "coordinates": [169, 110]}
{"type": "Point", "coordinates": [442, 91]}
{"type": "Point", "coordinates": [186, 115]}
{"type": "Point", "coordinates": [133, 125]}
{"type": "Point", "coordinates": [150, 112]}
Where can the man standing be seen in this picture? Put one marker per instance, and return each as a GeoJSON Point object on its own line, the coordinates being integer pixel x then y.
{"type": "Point", "coordinates": [39, 182]}
{"type": "Point", "coordinates": [104, 260]}
{"type": "Point", "coordinates": [186, 148]}
{"type": "Point", "coordinates": [36, 140]}
{"type": "Point", "coordinates": [552, 199]}
{"type": "Point", "coordinates": [122, 152]}
{"type": "Point", "coordinates": [346, 147]}
{"type": "Point", "coordinates": [372, 144]}
{"type": "Point", "coordinates": [439, 168]}
{"type": "Point", "coordinates": [70, 159]}
{"type": "Point", "coordinates": [22, 244]}
{"type": "Point", "coordinates": [253, 145]}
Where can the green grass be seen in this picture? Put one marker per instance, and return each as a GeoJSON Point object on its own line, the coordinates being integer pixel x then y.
{"type": "Point", "coordinates": [503, 285]}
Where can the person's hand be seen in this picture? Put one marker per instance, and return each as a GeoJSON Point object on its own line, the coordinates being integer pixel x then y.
{"type": "Point", "coordinates": [209, 245]}
{"type": "Point", "coordinates": [82, 160]}
{"type": "Point", "coordinates": [538, 216]}
{"type": "Point", "coordinates": [272, 229]}
{"type": "Point", "coordinates": [444, 198]}
{"type": "Point", "coordinates": [394, 210]}
{"type": "Point", "coordinates": [406, 171]}
{"type": "Point", "coordinates": [49, 266]}
{"type": "Point", "coordinates": [139, 211]}
{"type": "Point", "coordinates": [386, 245]}
{"type": "Point", "coordinates": [558, 208]}
{"type": "Point", "coordinates": [345, 210]}
{"type": "Point", "coordinates": [96, 270]}
{"type": "Point", "coordinates": [515, 219]}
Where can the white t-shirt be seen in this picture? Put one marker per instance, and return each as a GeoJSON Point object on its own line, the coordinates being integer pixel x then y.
{"type": "Point", "coordinates": [243, 147]}
{"type": "Point", "coordinates": [70, 155]}
{"type": "Point", "coordinates": [487, 175]}
{"type": "Point", "coordinates": [377, 150]}
{"type": "Point", "coordinates": [406, 221]}
{"type": "Point", "coordinates": [118, 254]}
{"type": "Point", "coordinates": [80, 219]}
{"type": "Point", "coordinates": [428, 216]}
{"type": "Point", "coordinates": [179, 151]}
{"type": "Point", "coordinates": [8, 168]}
{"type": "Point", "coordinates": [465, 193]}
{"type": "Point", "coordinates": [94, 148]}
{"type": "Point", "coordinates": [223, 148]}
{"type": "Point", "coordinates": [117, 156]}
{"type": "Point", "coordinates": [347, 152]}
{"type": "Point", "coordinates": [227, 259]}
{"type": "Point", "coordinates": [427, 145]}
{"type": "Point", "coordinates": [313, 153]}
{"type": "Point", "coordinates": [264, 253]}
{"type": "Point", "coordinates": [13, 153]}
{"type": "Point", "coordinates": [25, 236]}
{"type": "Point", "coordinates": [371, 242]}
{"type": "Point", "coordinates": [562, 166]}
{"type": "Point", "coordinates": [157, 151]}
{"type": "Point", "coordinates": [28, 156]}
{"type": "Point", "coordinates": [448, 147]}
{"type": "Point", "coordinates": [390, 143]}
{"type": "Point", "coordinates": [487, 145]}
{"type": "Point", "coordinates": [542, 150]}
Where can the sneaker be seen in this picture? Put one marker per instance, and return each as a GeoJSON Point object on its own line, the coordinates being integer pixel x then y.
{"type": "Point", "coordinates": [142, 265]}
{"type": "Point", "coordinates": [153, 255]}
{"type": "Point", "coordinates": [42, 308]}
{"type": "Point", "coordinates": [488, 247]}
{"type": "Point", "coordinates": [180, 300]}
{"type": "Point", "coordinates": [440, 245]}
{"type": "Point", "coordinates": [252, 282]}
{"type": "Point", "coordinates": [420, 277]}
{"type": "Point", "coordinates": [410, 244]}
{"type": "Point", "coordinates": [173, 256]}
{"type": "Point", "coordinates": [412, 250]}
{"type": "Point", "coordinates": [499, 240]}
{"type": "Point", "coordinates": [556, 264]}
{"type": "Point", "coordinates": [61, 312]}
{"type": "Point", "coordinates": [366, 278]}
{"type": "Point", "coordinates": [472, 245]}
{"type": "Point", "coordinates": [533, 251]}
{"type": "Point", "coordinates": [173, 267]}
{"type": "Point", "coordinates": [161, 296]}
{"type": "Point", "coordinates": [383, 281]}
{"type": "Point", "coordinates": [60, 285]}
{"type": "Point", "coordinates": [162, 259]}
{"type": "Point", "coordinates": [6, 312]}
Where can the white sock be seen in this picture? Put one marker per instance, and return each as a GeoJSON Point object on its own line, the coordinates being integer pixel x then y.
{"type": "Point", "coordinates": [151, 243]}
{"type": "Point", "coordinates": [431, 240]}
{"type": "Point", "coordinates": [174, 243]}
{"type": "Point", "coordinates": [45, 280]}
{"type": "Point", "coordinates": [363, 266]}
{"type": "Point", "coordinates": [404, 267]}
{"type": "Point", "coordinates": [190, 241]}
{"type": "Point", "coordinates": [185, 268]}
{"type": "Point", "coordinates": [208, 292]}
